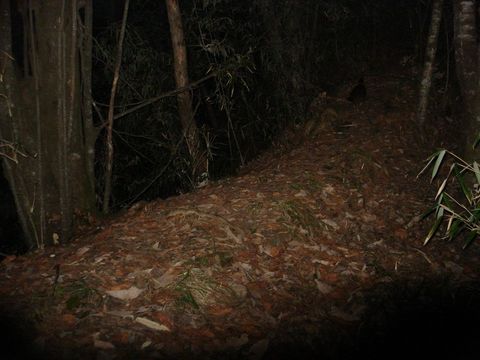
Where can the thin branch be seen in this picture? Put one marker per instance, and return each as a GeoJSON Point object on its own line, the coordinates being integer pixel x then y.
{"type": "Point", "coordinates": [165, 95]}
{"type": "Point", "coordinates": [110, 119]}
{"type": "Point", "coordinates": [39, 138]}
{"type": "Point", "coordinates": [11, 151]}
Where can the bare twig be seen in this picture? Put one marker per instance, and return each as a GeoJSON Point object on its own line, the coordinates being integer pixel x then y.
{"type": "Point", "coordinates": [10, 151]}
{"type": "Point", "coordinates": [423, 254]}
{"type": "Point", "coordinates": [165, 95]}
{"type": "Point", "coordinates": [39, 138]}
{"type": "Point", "coordinates": [110, 118]}
{"type": "Point", "coordinates": [144, 103]}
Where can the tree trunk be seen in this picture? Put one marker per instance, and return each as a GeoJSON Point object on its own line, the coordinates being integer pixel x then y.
{"type": "Point", "coordinates": [184, 100]}
{"type": "Point", "coordinates": [272, 29]}
{"type": "Point", "coordinates": [47, 121]}
{"type": "Point", "coordinates": [430, 53]}
{"type": "Point", "coordinates": [465, 42]}
{"type": "Point", "coordinates": [9, 128]}
{"type": "Point", "coordinates": [85, 52]}
{"type": "Point", "coordinates": [287, 45]}
{"type": "Point", "coordinates": [466, 58]}
{"type": "Point", "coordinates": [295, 45]}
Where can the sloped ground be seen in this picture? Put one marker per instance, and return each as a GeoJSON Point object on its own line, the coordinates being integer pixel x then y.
{"type": "Point", "coordinates": [314, 251]}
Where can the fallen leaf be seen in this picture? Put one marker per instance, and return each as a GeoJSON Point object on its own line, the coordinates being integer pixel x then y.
{"type": "Point", "coordinates": [82, 250]}
{"type": "Point", "coordinates": [126, 294]}
{"type": "Point", "coordinates": [369, 217]}
{"type": "Point", "coordinates": [152, 324]}
{"type": "Point", "coordinates": [204, 332]}
{"type": "Point", "coordinates": [69, 320]}
{"type": "Point", "coordinates": [301, 193]}
{"type": "Point", "coordinates": [122, 337]}
{"type": "Point", "coordinates": [166, 279]}
{"type": "Point", "coordinates": [272, 251]}
{"type": "Point", "coordinates": [323, 287]}
{"type": "Point", "coordinates": [331, 277]}
{"type": "Point", "coordinates": [104, 345]}
{"type": "Point", "coordinates": [146, 344]}
{"type": "Point", "coordinates": [401, 233]}
{"type": "Point", "coordinates": [331, 223]}
{"type": "Point", "coordinates": [121, 313]}
{"type": "Point", "coordinates": [218, 310]}
{"type": "Point", "coordinates": [164, 318]}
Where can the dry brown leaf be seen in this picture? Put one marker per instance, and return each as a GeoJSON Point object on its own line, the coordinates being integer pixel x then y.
{"type": "Point", "coordinates": [272, 251]}
{"type": "Point", "coordinates": [152, 324]}
{"type": "Point", "coordinates": [69, 320]}
{"type": "Point", "coordinates": [323, 287]}
{"type": "Point", "coordinates": [126, 294]}
{"type": "Point", "coordinates": [218, 310]}
{"type": "Point", "coordinates": [104, 345]}
{"type": "Point", "coordinates": [401, 233]}
{"type": "Point", "coordinates": [82, 250]}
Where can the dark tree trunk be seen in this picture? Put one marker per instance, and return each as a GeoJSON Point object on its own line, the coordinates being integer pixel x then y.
{"type": "Point", "coordinates": [466, 57]}
{"type": "Point", "coordinates": [295, 44]}
{"type": "Point", "coordinates": [430, 52]}
{"type": "Point", "coordinates": [9, 128]}
{"type": "Point", "coordinates": [271, 23]}
{"type": "Point", "coordinates": [48, 121]}
{"type": "Point", "coordinates": [466, 49]}
{"type": "Point", "coordinates": [287, 44]}
{"type": "Point", "coordinates": [185, 110]}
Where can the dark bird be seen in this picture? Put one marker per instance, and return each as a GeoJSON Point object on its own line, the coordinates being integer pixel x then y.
{"type": "Point", "coordinates": [358, 93]}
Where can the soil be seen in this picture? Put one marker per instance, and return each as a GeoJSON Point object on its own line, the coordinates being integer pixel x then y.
{"type": "Point", "coordinates": [315, 250]}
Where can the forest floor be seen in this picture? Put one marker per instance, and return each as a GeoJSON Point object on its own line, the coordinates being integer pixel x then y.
{"type": "Point", "coordinates": [314, 250]}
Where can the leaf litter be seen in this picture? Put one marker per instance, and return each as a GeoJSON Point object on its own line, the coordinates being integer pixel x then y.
{"type": "Point", "coordinates": [287, 252]}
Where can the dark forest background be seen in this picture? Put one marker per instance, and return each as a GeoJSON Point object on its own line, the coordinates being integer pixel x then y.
{"type": "Point", "coordinates": [263, 88]}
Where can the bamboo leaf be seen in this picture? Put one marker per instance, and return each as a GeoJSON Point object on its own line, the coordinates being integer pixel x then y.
{"type": "Point", "coordinates": [465, 189]}
{"type": "Point", "coordinates": [456, 227]}
{"type": "Point", "coordinates": [427, 213]}
{"type": "Point", "coordinates": [441, 188]}
{"type": "Point", "coordinates": [476, 170]}
{"type": "Point", "coordinates": [477, 140]}
{"type": "Point", "coordinates": [471, 236]}
{"type": "Point", "coordinates": [439, 209]}
{"type": "Point", "coordinates": [447, 204]}
{"type": "Point", "coordinates": [441, 155]}
{"type": "Point", "coordinates": [433, 230]}
{"type": "Point", "coordinates": [475, 216]}
{"type": "Point", "coordinates": [430, 160]}
{"type": "Point", "coordinates": [439, 212]}
{"type": "Point", "coordinates": [449, 224]}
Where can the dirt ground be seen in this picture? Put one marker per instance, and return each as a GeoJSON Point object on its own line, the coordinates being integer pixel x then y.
{"type": "Point", "coordinates": [315, 250]}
